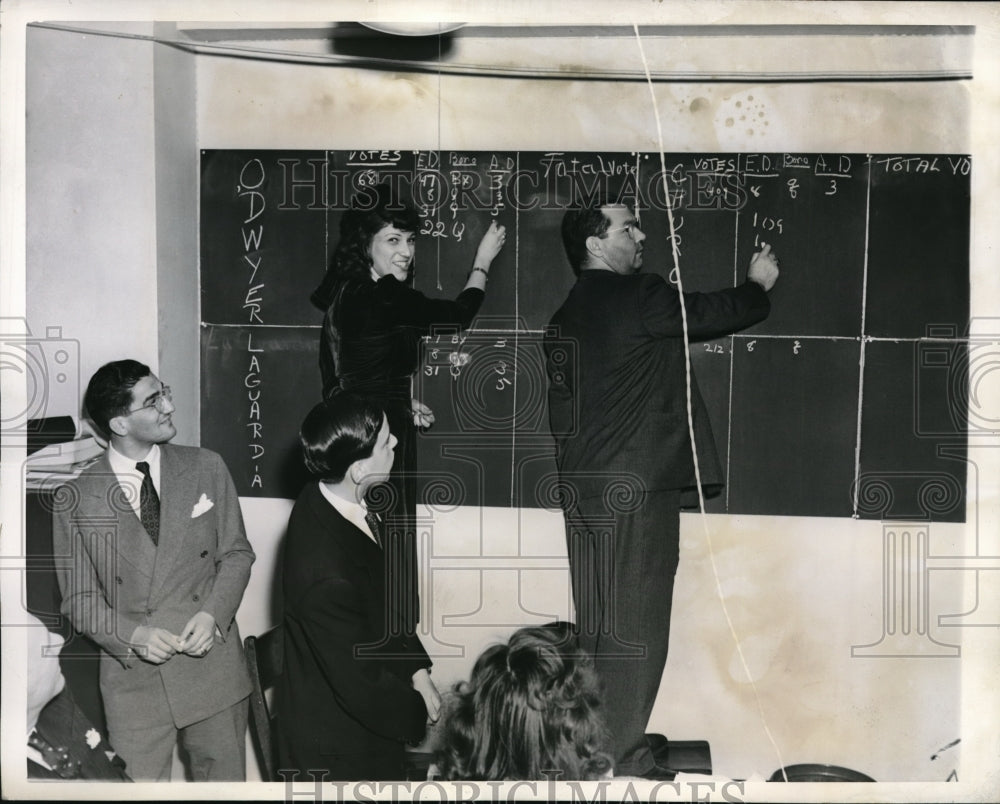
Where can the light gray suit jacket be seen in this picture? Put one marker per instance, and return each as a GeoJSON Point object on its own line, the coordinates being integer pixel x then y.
{"type": "Point", "coordinates": [113, 579]}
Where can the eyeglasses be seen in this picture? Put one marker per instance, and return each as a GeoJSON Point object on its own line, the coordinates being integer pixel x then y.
{"type": "Point", "coordinates": [628, 228]}
{"type": "Point", "coordinates": [160, 401]}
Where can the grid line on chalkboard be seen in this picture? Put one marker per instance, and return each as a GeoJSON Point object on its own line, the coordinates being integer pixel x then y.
{"type": "Point", "coordinates": [517, 317]}
{"type": "Point", "coordinates": [438, 285]}
{"type": "Point", "coordinates": [207, 324]}
{"type": "Point", "coordinates": [861, 357]}
{"type": "Point", "coordinates": [762, 336]}
{"type": "Point", "coordinates": [732, 353]}
{"type": "Point", "coordinates": [737, 336]}
{"type": "Point", "coordinates": [327, 250]}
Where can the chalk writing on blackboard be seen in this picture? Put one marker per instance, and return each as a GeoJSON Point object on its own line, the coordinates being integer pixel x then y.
{"type": "Point", "coordinates": [255, 434]}
{"type": "Point", "coordinates": [874, 252]}
{"type": "Point", "coordinates": [252, 177]}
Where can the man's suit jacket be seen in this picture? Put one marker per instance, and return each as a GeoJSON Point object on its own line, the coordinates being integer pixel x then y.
{"type": "Point", "coordinates": [62, 725]}
{"type": "Point", "coordinates": [616, 365]}
{"type": "Point", "coordinates": [114, 579]}
{"type": "Point", "coordinates": [341, 706]}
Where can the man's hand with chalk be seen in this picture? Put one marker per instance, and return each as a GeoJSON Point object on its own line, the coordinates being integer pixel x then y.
{"type": "Point", "coordinates": [764, 267]}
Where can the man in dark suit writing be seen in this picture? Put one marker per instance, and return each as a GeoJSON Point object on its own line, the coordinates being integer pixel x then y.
{"type": "Point", "coordinates": [618, 411]}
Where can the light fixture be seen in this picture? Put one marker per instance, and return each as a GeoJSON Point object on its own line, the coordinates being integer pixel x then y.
{"type": "Point", "coordinates": [414, 28]}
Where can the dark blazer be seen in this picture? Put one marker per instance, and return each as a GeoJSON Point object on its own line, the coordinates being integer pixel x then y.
{"type": "Point", "coordinates": [62, 725]}
{"type": "Point", "coordinates": [616, 365]}
{"type": "Point", "coordinates": [341, 706]}
{"type": "Point", "coordinates": [116, 579]}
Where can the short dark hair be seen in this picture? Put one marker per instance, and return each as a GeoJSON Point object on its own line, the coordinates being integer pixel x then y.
{"type": "Point", "coordinates": [371, 210]}
{"type": "Point", "coordinates": [337, 432]}
{"type": "Point", "coordinates": [531, 705]}
{"type": "Point", "coordinates": [109, 392]}
{"type": "Point", "coordinates": [579, 224]}
{"type": "Point", "coordinates": [586, 218]}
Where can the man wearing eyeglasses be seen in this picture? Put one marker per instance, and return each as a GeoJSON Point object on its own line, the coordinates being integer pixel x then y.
{"type": "Point", "coordinates": [155, 561]}
{"type": "Point", "coordinates": [618, 412]}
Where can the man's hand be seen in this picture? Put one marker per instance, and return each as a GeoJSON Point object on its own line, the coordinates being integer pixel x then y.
{"type": "Point", "coordinates": [432, 698]}
{"type": "Point", "coordinates": [198, 635]}
{"type": "Point", "coordinates": [423, 416]}
{"type": "Point", "coordinates": [764, 268]}
{"type": "Point", "coordinates": [154, 645]}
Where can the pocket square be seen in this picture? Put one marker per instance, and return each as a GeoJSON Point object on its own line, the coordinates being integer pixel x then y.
{"type": "Point", "coordinates": [204, 504]}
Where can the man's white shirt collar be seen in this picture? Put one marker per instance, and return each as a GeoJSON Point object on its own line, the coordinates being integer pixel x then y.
{"type": "Point", "coordinates": [130, 477]}
{"type": "Point", "coordinates": [351, 511]}
{"type": "Point", "coordinates": [35, 755]}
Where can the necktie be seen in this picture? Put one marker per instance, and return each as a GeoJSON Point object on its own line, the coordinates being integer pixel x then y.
{"type": "Point", "coordinates": [376, 526]}
{"type": "Point", "coordinates": [149, 503]}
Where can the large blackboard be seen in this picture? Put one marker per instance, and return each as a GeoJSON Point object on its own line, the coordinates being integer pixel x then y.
{"type": "Point", "coordinates": [847, 401]}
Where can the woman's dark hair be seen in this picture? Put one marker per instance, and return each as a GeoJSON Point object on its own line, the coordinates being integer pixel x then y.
{"type": "Point", "coordinates": [338, 432]}
{"type": "Point", "coordinates": [371, 210]}
{"type": "Point", "coordinates": [530, 708]}
{"type": "Point", "coordinates": [109, 392]}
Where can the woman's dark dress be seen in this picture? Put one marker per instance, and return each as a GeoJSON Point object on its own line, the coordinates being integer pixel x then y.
{"type": "Point", "coordinates": [370, 345]}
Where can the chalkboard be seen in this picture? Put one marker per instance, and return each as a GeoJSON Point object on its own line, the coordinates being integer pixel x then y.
{"type": "Point", "coordinates": [848, 400]}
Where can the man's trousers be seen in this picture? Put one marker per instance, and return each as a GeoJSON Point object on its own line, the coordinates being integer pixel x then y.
{"type": "Point", "coordinates": [623, 555]}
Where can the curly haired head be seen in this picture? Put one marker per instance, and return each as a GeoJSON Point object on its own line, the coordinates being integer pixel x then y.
{"type": "Point", "coordinates": [531, 708]}
{"type": "Point", "coordinates": [371, 210]}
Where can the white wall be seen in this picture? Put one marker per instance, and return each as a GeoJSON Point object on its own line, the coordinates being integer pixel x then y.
{"type": "Point", "coordinates": [91, 198]}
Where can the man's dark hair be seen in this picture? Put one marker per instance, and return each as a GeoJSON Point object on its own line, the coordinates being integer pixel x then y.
{"type": "Point", "coordinates": [580, 223]}
{"type": "Point", "coordinates": [338, 432]}
{"type": "Point", "coordinates": [109, 392]}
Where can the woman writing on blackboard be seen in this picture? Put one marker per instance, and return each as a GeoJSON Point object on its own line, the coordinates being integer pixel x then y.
{"type": "Point", "coordinates": [370, 344]}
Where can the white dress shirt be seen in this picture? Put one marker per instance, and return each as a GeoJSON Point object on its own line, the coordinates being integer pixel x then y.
{"type": "Point", "coordinates": [130, 478]}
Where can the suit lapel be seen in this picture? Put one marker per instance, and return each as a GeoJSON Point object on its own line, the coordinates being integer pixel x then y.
{"type": "Point", "coordinates": [359, 548]}
{"type": "Point", "coordinates": [356, 544]}
{"type": "Point", "coordinates": [105, 509]}
{"type": "Point", "coordinates": [177, 497]}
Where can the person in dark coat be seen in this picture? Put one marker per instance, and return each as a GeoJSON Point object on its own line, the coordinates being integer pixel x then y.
{"type": "Point", "coordinates": [618, 411]}
{"type": "Point", "coordinates": [352, 693]}
{"type": "Point", "coordinates": [62, 742]}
